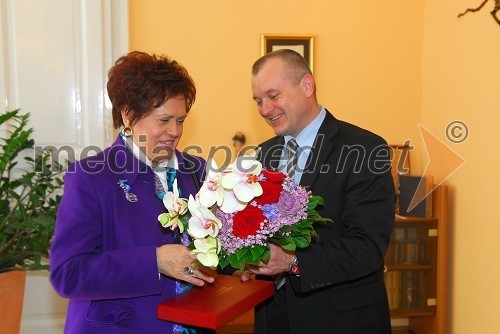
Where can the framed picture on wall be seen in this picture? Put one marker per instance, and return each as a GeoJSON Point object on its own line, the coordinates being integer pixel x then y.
{"type": "Point", "coordinates": [303, 44]}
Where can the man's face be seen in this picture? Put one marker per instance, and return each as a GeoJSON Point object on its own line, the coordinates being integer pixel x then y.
{"type": "Point", "coordinates": [281, 101]}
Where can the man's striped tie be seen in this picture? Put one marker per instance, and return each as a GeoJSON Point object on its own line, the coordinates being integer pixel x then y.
{"type": "Point", "coordinates": [291, 164]}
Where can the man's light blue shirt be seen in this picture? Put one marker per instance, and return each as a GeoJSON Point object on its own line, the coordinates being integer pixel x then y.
{"type": "Point", "coordinates": [305, 140]}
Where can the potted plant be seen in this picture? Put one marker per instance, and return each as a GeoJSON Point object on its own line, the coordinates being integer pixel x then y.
{"type": "Point", "coordinates": [29, 197]}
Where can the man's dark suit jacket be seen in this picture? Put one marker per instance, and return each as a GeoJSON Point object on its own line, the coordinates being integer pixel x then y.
{"type": "Point", "coordinates": [341, 287]}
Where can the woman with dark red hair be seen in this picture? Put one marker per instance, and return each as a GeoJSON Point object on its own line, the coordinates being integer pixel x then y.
{"type": "Point", "coordinates": [110, 255]}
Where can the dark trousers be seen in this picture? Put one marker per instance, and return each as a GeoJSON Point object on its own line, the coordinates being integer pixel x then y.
{"type": "Point", "coordinates": [271, 316]}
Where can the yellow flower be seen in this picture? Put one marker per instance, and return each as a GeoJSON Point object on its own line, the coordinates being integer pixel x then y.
{"type": "Point", "coordinates": [206, 251]}
{"type": "Point", "coordinates": [176, 207]}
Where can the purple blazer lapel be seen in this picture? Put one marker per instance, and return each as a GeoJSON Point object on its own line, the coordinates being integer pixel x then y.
{"type": "Point", "coordinates": [130, 168]}
{"type": "Point", "coordinates": [123, 162]}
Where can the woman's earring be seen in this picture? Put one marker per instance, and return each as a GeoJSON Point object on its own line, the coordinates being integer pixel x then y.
{"type": "Point", "coordinates": [127, 132]}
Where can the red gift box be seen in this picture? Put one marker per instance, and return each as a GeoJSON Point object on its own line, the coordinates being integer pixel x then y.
{"type": "Point", "coordinates": [215, 304]}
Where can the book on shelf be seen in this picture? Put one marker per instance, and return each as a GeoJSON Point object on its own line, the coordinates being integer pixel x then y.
{"type": "Point", "coordinates": [392, 280]}
{"type": "Point", "coordinates": [413, 290]}
{"type": "Point", "coordinates": [410, 283]}
{"type": "Point", "coordinates": [406, 289]}
{"type": "Point", "coordinates": [405, 247]}
{"type": "Point", "coordinates": [415, 195]}
{"type": "Point", "coordinates": [399, 233]}
{"type": "Point", "coordinates": [423, 288]}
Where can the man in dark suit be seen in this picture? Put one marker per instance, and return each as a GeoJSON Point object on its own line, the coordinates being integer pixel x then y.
{"type": "Point", "coordinates": [336, 285]}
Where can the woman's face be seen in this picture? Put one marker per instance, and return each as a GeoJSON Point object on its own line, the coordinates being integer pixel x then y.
{"type": "Point", "coordinates": [158, 134]}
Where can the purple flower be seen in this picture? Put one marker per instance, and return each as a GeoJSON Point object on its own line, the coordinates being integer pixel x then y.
{"type": "Point", "coordinates": [223, 217]}
{"type": "Point", "coordinates": [270, 211]}
{"type": "Point", "coordinates": [289, 204]}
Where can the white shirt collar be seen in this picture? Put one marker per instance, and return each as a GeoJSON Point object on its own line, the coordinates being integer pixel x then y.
{"type": "Point", "coordinates": [139, 154]}
{"type": "Point", "coordinates": [306, 137]}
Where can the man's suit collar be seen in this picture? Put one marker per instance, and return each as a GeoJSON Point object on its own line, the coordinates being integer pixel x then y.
{"type": "Point", "coordinates": [323, 145]}
{"type": "Point", "coordinates": [321, 150]}
{"type": "Point", "coordinates": [272, 151]}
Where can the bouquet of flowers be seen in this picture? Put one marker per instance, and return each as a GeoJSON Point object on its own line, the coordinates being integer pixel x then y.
{"type": "Point", "coordinates": [240, 210]}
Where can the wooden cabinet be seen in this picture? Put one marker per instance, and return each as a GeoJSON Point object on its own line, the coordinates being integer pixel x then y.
{"type": "Point", "coordinates": [416, 269]}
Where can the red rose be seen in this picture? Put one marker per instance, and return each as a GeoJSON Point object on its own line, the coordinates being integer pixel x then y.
{"type": "Point", "coordinates": [247, 221]}
{"type": "Point", "coordinates": [273, 176]}
{"type": "Point", "coordinates": [270, 193]}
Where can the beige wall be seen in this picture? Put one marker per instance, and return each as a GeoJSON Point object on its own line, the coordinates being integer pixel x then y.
{"type": "Point", "coordinates": [384, 65]}
{"type": "Point", "coordinates": [461, 81]}
{"type": "Point", "coordinates": [367, 73]}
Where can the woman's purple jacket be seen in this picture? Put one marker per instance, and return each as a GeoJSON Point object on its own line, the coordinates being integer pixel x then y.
{"type": "Point", "coordinates": [103, 258]}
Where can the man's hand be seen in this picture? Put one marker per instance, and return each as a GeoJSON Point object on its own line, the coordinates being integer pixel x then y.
{"type": "Point", "coordinates": [278, 262]}
{"type": "Point", "coordinates": [244, 275]}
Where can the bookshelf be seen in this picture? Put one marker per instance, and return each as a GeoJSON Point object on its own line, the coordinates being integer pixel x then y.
{"type": "Point", "coordinates": [415, 274]}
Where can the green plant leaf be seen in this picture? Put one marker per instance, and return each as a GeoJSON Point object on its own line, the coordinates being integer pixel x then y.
{"type": "Point", "coordinates": [266, 255]}
{"type": "Point", "coordinates": [28, 200]}
{"type": "Point", "coordinates": [314, 201]}
{"type": "Point", "coordinates": [302, 241]}
{"type": "Point", "coordinates": [257, 252]}
{"type": "Point", "coordinates": [235, 262]}
{"type": "Point", "coordinates": [223, 262]}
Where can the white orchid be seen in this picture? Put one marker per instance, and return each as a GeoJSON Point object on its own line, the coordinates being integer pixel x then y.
{"type": "Point", "coordinates": [203, 222]}
{"type": "Point", "coordinates": [242, 177]}
{"type": "Point", "coordinates": [176, 207]}
{"type": "Point", "coordinates": [206, 251]}
{"type": "Point", "coordinates": [231, 204]}
{"type": "Point", "coordinates": [211, 191]}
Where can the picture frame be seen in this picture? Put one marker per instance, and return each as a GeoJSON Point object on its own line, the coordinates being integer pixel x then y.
{"type": "Point", "coordinates": [303, 44]}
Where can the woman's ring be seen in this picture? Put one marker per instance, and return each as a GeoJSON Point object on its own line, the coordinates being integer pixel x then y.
{"type": "Point", "coordinates": [189, 271]}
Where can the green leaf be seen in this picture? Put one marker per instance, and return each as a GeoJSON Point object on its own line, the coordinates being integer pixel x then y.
{"type": "Point", "coordinates": [223, 262]}
{"type": "Point", "coordinates": [8, 115]}
{"type": "Point", "coordinates": [266, 256]}
{"type": "Point", "coordinates": [285, 243]}
{"type": "Point", "coordinates": [248, 258]}
{"type": "Point", "coordinates": [240, 253]}
{"type": "Point", "coordinates": [257, 252]}
{"type": "Point", "coordinates": [302, 241]}
{"type": "Point", "coordinates": [235, 262]}
{"type": "Point", "coordinates": [304, 224]}
{"type": "Point", "coordinates": [315, 201]}
{"type": "Point", "coordinates": [28, 200]}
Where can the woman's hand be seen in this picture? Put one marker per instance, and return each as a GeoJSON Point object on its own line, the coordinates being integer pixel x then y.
{"type": "Point", "coordinates": [173, 259]}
